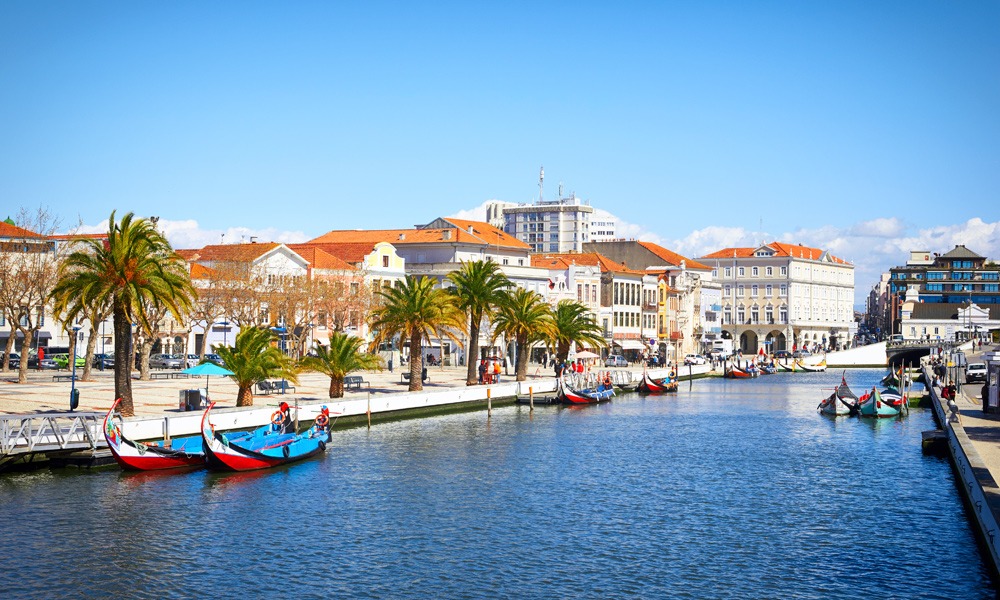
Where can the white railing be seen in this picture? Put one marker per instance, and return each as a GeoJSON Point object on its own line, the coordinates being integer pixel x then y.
{"type": "Point", "coordinates": [22, 434]}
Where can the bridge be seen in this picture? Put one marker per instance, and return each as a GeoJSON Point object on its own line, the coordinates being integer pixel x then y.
{"type": "Point", "coordinates": [910, 352]}
{"type": "Point", "coordinates": [23, 438]}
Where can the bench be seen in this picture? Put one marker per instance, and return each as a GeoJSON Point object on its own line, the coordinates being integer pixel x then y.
{"type": "Point", "coordinates": [274, 387]}
{"type": "Point", "coordinates": [405, 377]}
{"type": "Point", "coordinates": [62, 378]}
{"type": "Point", "coordinates": [354, 382]}
{"type": "Point", "coordinates": [168, 375]}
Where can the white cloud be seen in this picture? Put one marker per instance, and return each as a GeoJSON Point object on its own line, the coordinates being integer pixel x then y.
{"type": "Point", "coordinates": [188, 234]}
{"type": "Point", "coordinates": [882, 227]}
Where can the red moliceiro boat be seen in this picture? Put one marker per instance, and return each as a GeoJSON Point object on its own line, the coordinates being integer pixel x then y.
{"type": "Point", "coordinates": [657, 386]}
{"type": "Point", "coordinates": [264, 448]}
{"type": "Point", "coordinates": [182, 452]}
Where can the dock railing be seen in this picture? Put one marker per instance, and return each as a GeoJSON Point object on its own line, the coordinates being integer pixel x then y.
{"type": "Point", "coordinates": [23, 434]}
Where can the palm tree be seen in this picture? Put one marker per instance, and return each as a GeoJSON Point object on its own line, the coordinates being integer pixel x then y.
{"type": "Point", "coordinates": [479, 286]}
{"type": "Point", "coordinates": [416, 310]}
{"type": "Point", "coordinates": [575, 324]}
{"type": "Point", "coordinates": [342, 356]}
{"type": "Point", "coordinates": [254, 358]}
{"type": "Point", "coordinates": [526, 318]}
{"type": "Point", "coordinates": [133, 269]}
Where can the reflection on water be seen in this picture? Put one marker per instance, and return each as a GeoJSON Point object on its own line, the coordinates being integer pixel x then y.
{"type": "Point", "coordinates": [726, 489]}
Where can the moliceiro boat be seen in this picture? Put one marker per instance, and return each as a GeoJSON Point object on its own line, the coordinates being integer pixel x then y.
{"type": "Point", "coordinates": [841, 402]}
{"type": "Point", "coordinates": [593, 395]}
{"type": "Point", "coordinates": [178, 453]}
{"type": "Point", "coordinates": [820, 366]}
{"type": "Point", "coordinates": [872, 405]}
{"type": "Point", "coordinates": [649, 385]}
{"type": "Point", "coordinates": [266, 447]}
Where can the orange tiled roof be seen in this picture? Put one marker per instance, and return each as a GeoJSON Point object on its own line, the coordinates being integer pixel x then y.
{"type": "Point", "coordinates": [13, 231]}
{"type": "Point", "coordinates": [590, 259]}
{"type": "Point", "coordinates": [187, 254]}
{"type": "Point", "coordinates": [781, 249]}
{"type": "Point", "coordinates": [673, 258]}
{"type": "Point", "coordinates": [320, 259]}
{"type": "Point", "coordinates": [234, 252]}
{"type": "Point", "coordinates": [482, 234]}
{"type": "Point", "coordinates": [351, 253]}
{"type": "Point", "coordinates": [201, 271]}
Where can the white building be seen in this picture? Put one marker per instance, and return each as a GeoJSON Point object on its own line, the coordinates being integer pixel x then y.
{"type": "Point", "coordinates": [782, 296]}
{"type": "Point", "coordinates": [550, 226]}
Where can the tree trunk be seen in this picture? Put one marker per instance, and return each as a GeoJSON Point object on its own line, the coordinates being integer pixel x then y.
{"type": "Point", "coordinates": [123, 359]}
{"type": "Point", "coordinates": [472, 355]}
{"type": "Point", "coordinates": [8, 349]}
{"type": "Point", "coordinates": [337, 387]}
{"type": "Point", "coordinates": [245, 396]}
{"type": "Point", "coordinates": [22, 373]}
{"type": "Point", "coordinates": [562, 351]}
{"type": "Point", "coordinates": [521, 368]}
{"type": "Point", "coordinates": [416, 363]}
{"type": "Point", "coordinates": [88, 360]}
{"type": "Point", "coordinates": [145, 349]}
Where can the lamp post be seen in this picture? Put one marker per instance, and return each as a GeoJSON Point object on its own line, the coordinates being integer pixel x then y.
{"type": "Point", "coordinates": [74, 398]}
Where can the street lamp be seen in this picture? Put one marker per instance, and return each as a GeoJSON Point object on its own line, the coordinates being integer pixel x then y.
{"type": "Point", "coordinates": [74, 396]}
{"type": "Point", "coordinates": [225, 332]}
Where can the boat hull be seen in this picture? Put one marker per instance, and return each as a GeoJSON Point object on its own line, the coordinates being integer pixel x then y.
{"type": "Point", "coordinates": [183, 453]}
{"type": "Point", "coordinates": [648, 385]}
{"type": "Point", "coordinates": [264, 449]}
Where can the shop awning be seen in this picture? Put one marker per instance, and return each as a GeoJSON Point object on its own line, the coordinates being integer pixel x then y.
{"type": "Point", "coordinates": [630, 344]}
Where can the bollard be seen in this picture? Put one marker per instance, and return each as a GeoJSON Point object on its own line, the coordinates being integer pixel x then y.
{"type": "Point", "coordinates": [166, 432]}
{"type": "Point", "coordinates": [369, 411]}
{"type": "Point", "coordinates": [489, 404]}
{"type": "Point", "coordinates": [531, 399]}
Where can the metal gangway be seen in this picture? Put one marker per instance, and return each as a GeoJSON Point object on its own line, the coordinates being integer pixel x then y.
{"type": "Point", "coordinates": [22, 435]}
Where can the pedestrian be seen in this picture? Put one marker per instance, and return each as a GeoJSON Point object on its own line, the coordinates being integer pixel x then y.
{"type": "Point", "coordinates": [390, 364]}
{"type": "Point", "coordinates": [482, 371]}
{"type": "Point", "coordinates": [41, 355]}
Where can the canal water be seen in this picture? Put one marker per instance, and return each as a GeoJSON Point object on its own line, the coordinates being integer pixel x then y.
{"type": "Point", "coordinates": [728, 489]}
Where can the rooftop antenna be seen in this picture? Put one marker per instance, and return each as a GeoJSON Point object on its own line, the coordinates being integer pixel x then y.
{"type": "Point", "coordinates": [223, 240]}
{"type": "Point", "coordinates": [560, 190]}
{"type": "Point", "coordinates": [761, 230]}
{"type": "Point", "coordinates": [541, 183]}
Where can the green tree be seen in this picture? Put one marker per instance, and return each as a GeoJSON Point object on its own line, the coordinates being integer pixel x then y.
{"type": "Point", "coordinates": [342, 356]}
{"type": "Point", "coordinates": [574, 324]}
{"type": "Point", "coordinates": [416, 310]}
{"type": "Point", "coordinates": [133, 269]}
{"type": "Point", "coordinates": [254, 358]}
{"type": "Point", "coordinates": [525, 318]}
{"type": "Point", "coordinates": [479, 287]}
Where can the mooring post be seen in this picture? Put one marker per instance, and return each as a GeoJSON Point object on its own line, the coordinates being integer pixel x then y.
{"type": "Point", "coordinates": [531, 399]}
{"type": "Point", "coordinates": [166, 432]}
{"type": "Point", "coordinates": [369, 411]}
{"type": "Point", "coordinates": [489, 404]}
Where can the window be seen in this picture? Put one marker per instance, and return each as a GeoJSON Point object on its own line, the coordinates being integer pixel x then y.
{"type": "Point", "coordinates": [784, 271]}
{"type": "Point", "coordinates": [769, 315]}
{"type": "Point", "coordinates": [768, 290]}
{"type": "Point", "coordinates": [769, 271]}
{"type": "Point", "coordinates": [754, 272]}
{"type": "Point", "coordinates": [755, 315]}
{"type": "Point", "coordinates": [727, 316]}
{"type": "Point", "coordinates": [727, 291]}
{"type": "Point", "coordinates": [729, 271]}
{"type": "Point", "coordinates": [741, 272]}
{"type": "Point", "coordinates": [753, 290]}
{"type": "Point", "coordinates": [741, 315]}
{"type": "Point", "coordinates": [579, 292]}
{"type": "Point", "coordinates": [783, 315]}
{"type": "Point", "coordinates": [385, 261]}
{"type": "Point", "coordinates": [783, 291]}
{"type": "Point", "coordinates": [739, 291]}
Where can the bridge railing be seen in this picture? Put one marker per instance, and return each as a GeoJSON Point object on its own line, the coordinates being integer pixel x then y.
{"type": "Point", "coordinates": [20, 434]}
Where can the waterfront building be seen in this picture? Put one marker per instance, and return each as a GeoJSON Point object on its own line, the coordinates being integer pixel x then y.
{"type": "Point", "coordinates": [945, 322]}
{"type": "Point", "coordinates": [956, 277]}
{"type": "Point", "coordinates": [626, 297]}
{"type": "Point", "coordinates": [687, 299]}
{"type": "Point", "coordinates": [572, 279]}
{"type": "Point", "coordinates": [27, 271]}
{"type": "Point", "coordinates": [441, 246]}
{"type": "Point", "coordinates": [603, 227]}
{"type": "Point", "coordinates": [782, 296]}
{"type": "Point", "coordinates": [876, 317]}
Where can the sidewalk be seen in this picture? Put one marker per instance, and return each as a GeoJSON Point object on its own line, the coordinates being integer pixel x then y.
{"type": "Point", "coordinates": [158, 396]}
{"type": "Point", "coordinates": [983, 429]}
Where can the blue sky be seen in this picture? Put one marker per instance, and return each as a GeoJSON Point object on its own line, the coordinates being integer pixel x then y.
{"type": "Point", "coordinates": [866, 128]}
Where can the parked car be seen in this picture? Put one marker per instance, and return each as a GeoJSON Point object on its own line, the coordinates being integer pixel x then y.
{"type": "Point", "coordinates": [104, 361]}
{"type": "Point", "coordinates": [694, 359]}
{"type": "Point", "coordinates": [193, 360]}
{"type": "Point", "coordinates": [782, 354]}
{"type": "Point", "coordinates": [615, 360]}
{"type": "Point", "coordinates": [215, 358]}
{"type": "Point", "coordinates": [15, 360]}
{"type": "Point", "coordinates": [975, 372]}
{"type": "Point", "coordinates": [47, 363]}
{"type": "Point", "coordinates": [166, 361]}
{"type": "Point", "coordinates": [801, 354]}
{"type": "Point", "coordinates": [62, 361]}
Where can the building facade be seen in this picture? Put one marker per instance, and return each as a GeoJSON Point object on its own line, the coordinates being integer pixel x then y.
{"type": "Point", "coordinates": [784, 297]}
{"type": "Point", "coordinates": [550, 226]}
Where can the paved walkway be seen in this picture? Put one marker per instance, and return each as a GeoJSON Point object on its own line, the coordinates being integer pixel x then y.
{"type": "Point", "coordinates": [155, 397]}
{"type": "Point", "coordinates": [983, 429]}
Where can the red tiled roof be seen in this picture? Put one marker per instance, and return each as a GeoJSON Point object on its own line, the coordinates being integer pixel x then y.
{"type": "Point", "coordinates": [673, 258]}
{"type": "Point", "coordinates": [234, 252]}
{"type": "Point", "coordinates": [590, 259]}
{"type": "Point", "coordinates": [781, 249]}
{"type": "Point", "coordinates": [13, 231]}
{"type": "Point", "coordinates": [320, 259]}
{"type": "Point", "coordinates": [482, 234]}
{"type": "Point", "coordinates": [352, 253]}
{"type": "Point", "coordinates": [201, 271]}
